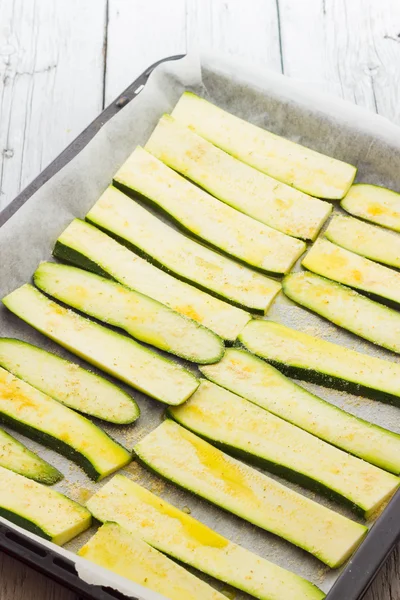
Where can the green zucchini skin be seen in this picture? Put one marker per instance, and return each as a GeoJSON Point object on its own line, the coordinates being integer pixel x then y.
{"type": "Point", "coordinates": [27, 463]}
{"type": "Point", "coordinates": [152, 457]}
{"type": "Point", "coordinates": [71, 256]}
{"type": "Point", "coordinates": [189, 234]}
{"type": "Point", "coordinates": [311, 375]}
{"type": "Point", "coordinates": [131, 311]}
{"type": "Point", "coordinates": [369, 278]}
{"type": "Point", "coordinates": [329, 381]}
{"type": "Point", "coordinates": [326, 298]}
{"type": "Point", "coordinates": [24, 523]}
{"type": "Point", "coordinates": [365, 239]}
{"type": "Point", "coordinates": [160, 265]}
{"type": "Point", "coordinates": [204, 217]}
{"type": "Point", "coordinates": [272, 467]}
{"type": "Point", "coordinates": [192, 543]}
{"type": "Point", "coordinates": [91, 394]}
{"type": "Point", "coordinates": [209, 270]}
{"type": "Point", "coordinates": [245, 430]}
{"type": "Point", "coordinates": [118, 355]}
{"type": "Point", "coordinates": [85, 246]}
{"type": "Point", "coordinates": [54, 443]}
{"type": "Point", "coordinates": [41, 510]}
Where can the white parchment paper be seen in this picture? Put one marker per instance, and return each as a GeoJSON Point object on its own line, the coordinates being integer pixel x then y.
{"type": "Point", "coordinates": [267, 99]}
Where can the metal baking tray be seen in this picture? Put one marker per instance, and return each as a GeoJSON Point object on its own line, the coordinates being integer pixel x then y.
{"type": "Point", "coordinates": [356, 576]}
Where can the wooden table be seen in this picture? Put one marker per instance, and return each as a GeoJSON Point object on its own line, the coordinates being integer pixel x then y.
{"type": "Point", "coordinates": [62, 61]}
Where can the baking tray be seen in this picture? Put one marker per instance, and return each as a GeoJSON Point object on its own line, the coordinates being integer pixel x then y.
{"type": "Point", "coordinates": [359, 572]}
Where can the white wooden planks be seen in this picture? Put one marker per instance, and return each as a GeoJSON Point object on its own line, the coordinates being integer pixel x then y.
{"type": "Point", "coordinates": [234, 27]}
{"type": "Point", "coordinates": [350, 48]}
{"type": "Point", "coordinates": [140, 32]}
{"type": "Point", "coordinates": [51, 82]}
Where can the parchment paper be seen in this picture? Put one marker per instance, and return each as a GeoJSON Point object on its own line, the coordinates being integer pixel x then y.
{"type": "Point", "coordinates": [273, 101]}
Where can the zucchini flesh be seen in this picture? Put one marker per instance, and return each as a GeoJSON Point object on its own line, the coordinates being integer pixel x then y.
{"type": "Point", "coordinates": [346, 308]}
{"type": "Point", "coordinates": [303, 356]}
{"type": "Point", "coordinates": [40, 509]}
{"type": "Point", "coordinates": [251, 192]}
{"type": "Point", "coordinates": [145, 319]}
{"type": "Point", "coordinates": [373, 203]}
{"type": "Point", "coordinates": [345, 267]}
{"type": "Point", "coordinates": [116, 354]}
{"type": "Point", "coordinates": [67, 382]}
{"type": "Point", "coordinates": [302, 168]}
{"type": "Point", "coordinates": [187, 259]}
{"type": "Point", "coordinates": [16, 457]}
{"type": "Point", "coordinates": [244, 429]}
{"type": "Point", "coordinates": [254, 379]}
{"type": "Point", "coordinates": [125, 554]}
{"type": "Point", "coordinates": [88, 247]}
{"type": "Point", "coordinates": [32, 413]}
{"type": "Point", "coordinates": [190, 462]}
{"type": "Point", "coordinates": [207, 218]}
{"type": "Point", "coordinates": [176, 533]}
{"type": "Point", "coordinates": [365, 239]}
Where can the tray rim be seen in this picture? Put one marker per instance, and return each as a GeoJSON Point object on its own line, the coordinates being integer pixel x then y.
{"type": "Point", "coordinates": [360, 571]}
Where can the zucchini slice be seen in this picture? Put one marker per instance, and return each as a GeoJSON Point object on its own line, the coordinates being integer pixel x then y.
{"type": "Point", "coordinates": [116, 354]}
{"type": "Point", "coordinates": [195, 465]}
{"type": "Point", "coordinates": [67, 382]}
{"type": "Point", "coordinates": [245, 430]}
{"type": "Point", "coordinates": [16, 457]}
{"type": "Point", "coordinates": [364, 239]}
{"type": "Point", "coordinates": [302, 168]}
{"type": "Point", "coordinates": [88, 247]}
{"type": "Point", "coordinates": [337, 263]}
{"type": "Point", "coordinates": [40, 509]}
{"type": "Point", "coordinates": [176, 533]}
{"type": "Point", "coordinates": [373, 203]}
{"type": "Point", "coordinates": [254, 379]}
{"type": "Point", "coordinates": [189, 260]}
{"type": "Point", "coordinates": [125, 554]}
{"type": "Point", "coordinates": [39, 417]}
{"type": "Point", "coordinates": [142, 317]}
{"type": "Point", "coordinates": [312, 359]}
{"type": "Point", "coordinates": [346, 308]}
{"type": "Point", "coordinates": [235, 183]}
{"type": "Point", "coordinates": [205, 217]}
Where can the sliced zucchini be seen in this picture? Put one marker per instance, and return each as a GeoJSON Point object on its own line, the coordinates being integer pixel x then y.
{"type": "Point", "coordinates": [346, 308]}
{"type": "Point", "coordinates": [116, 354]}
{"type": "Point", "coordinates": [207, 218]}
{"type": "Point", "coordinates": [195, 465]}
{"type": "Point", "coordinates": [16, 457]}
{"type": "Point", "coordinates": [176, 533]}
{"type": "Point", "coordinates": [243, 429]}
{"type": "Point", "coordinates": [336, 263]}
{"type": "Point", "coordinates": [39, 417]}
{"type": "Point", "coordinates": [373, 203]}
{"type": "Point", "coordinates": [303, 356]}
{"type": "Point", "coordinates": [254, 379]}
{"type": "Point", "coordinates": [235, 183]}
{"type": "Point", "coordinates": [125, 554]}
{"type": "Point", "coordinates": [142, 317]}
{"type": "Point", "coordinates": [365, 239]}
{"type": "Point", "coordinates": [187, 259]}
{"type": "Point", "coordinates": [309, 171]}
{"type": "Point", "coordinates": [88, 247]}
{"type": "Point", "coordinates": [67, 382]}
{"type": "Point", "coordinates": [40, 509]}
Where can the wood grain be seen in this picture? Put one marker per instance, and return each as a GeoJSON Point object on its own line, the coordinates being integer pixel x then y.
{"type": "Point", "coordinates": [350, 48]}
{"type": "Point", "coordinates": [19, 582]}
{"type": "Point", "coordinates": [140, 32]}
{"type": "Point", "coordinates": [62, 60]}
{"type": "Point", "coordinates": [51, 82]}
